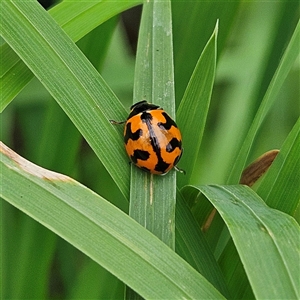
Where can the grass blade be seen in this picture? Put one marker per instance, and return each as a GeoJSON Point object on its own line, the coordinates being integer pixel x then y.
{"type": "Point", "coordinates": [71, 80]}
{"type": "Point", "coordinates": [193, 109]}
{"type": "Point", "coordinates": [265, 238]}
{"type": "Point", "coordinates": [190, 39]}
{"type": "Point", "coordinates": [153, 197]}
{"type": "Point", "coordinates": [282, 180]}
{"type": "Point", "coordinates": [287, 61]}
{"type": "Point", "coordinates": [192, 245]}
{"type": "Point", "coordinates": [100, 230]}
{"type": "Point", "coordinates": [77, 19]}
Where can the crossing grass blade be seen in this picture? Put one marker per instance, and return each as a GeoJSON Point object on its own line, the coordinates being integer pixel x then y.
{"type": "Point", "coordinates": [264, 238]}
{"type": "Point", "coordinates": [71, 80]}
{"type": "Point", "coordinates": [77, 19]}
{"type": "Point", "coordinates": [193, 108]}
{"type": "Point", "coordinates": [100, 230]}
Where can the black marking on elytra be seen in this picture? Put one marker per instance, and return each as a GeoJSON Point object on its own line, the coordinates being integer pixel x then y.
{"type": "Point", "coordinates": [161, 165]}
{"type": "Point", "coordinates": [173, 144]}
{"type": "Point", "coordinates": [168, 124]}
{"type": "Point", "coordinates": [140, 154]}
{"type": "Point", "coordinates": [131, 135]}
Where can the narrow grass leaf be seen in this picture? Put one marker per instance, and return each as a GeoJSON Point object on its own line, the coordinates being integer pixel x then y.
{"type": "Point", "coordinates": [190, 39]}
{"type": "Point", "coordinates": [287, 61]}
{"type": "Point", "coordinates": [152, 197]}
{"type": "Point", "coordinates": [77, 19]}
{"type": "Point", "coordinates": [192, 245]}
{"type": "Point", "coordinates": [193, 109]}
{"type": "Point", "coordinates": [14, 75]}
{"type": "Point", "coordinates": [254, 37]}
{"type": "Point", "coordinates": [280, 188]}
{"type": "Point", "coordinates": [72, 81]}
{"type": "Point", "coordinates": [264, 237]}
{"type": "Point", "coordinates": [100, 230]}
{"type": "Point", "coordinates": [234, 273]}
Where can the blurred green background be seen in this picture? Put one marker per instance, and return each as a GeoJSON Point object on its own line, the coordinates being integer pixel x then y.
{"type": "Point", "coordinates": [252, 39]}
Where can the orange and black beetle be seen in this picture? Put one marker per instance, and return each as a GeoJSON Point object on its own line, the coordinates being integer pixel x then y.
{"type": "Point", "coordinates": [152, 139]}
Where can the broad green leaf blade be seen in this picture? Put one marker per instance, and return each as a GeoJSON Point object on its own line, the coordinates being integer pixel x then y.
{"type": "Point", "coordinates": [96, 43]}
{"type": "Point", "coordinates": [71, 80]}
{"type": "Point", "coordinates": [287, 61]}
{"type": "Point", "coordinates": [280, 188]}
{"type": "Point", "coordinates": [265, 239]}
{"type": "Point", "coordinates": [100, 230]}
{"type": "Point", "coordinates": [193, 109]}
{"type": "Point", "coordinates": [77, 19]}
{"type": "Point", "coordinates": [152, 197]}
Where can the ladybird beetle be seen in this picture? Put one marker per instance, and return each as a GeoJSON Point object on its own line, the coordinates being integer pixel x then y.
{"type": "Point", "coordinates": [152, 138]}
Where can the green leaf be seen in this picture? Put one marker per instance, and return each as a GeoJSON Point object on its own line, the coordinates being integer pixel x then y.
{"type": "Point", "coordinates": [71, 80]}
{"type": "Point", "coordinates": [280, 187]}
{"type": "Point", "coordinates": [237, 95]}
{"type": "Point", "coordinates": [190, 39]}
{"type": "Point", "coordinates": [77, 19]}
{"type": "Point", "coordinates": [153, 205]}
{"type": "Point", "coordinates": [265, 239]}
{"type": "Point", "coordinates": [193, 109]}
{"type": "Point", "coordinates": [100, 230]}
{"type": "Point", "coordinates": [287, 61]}
{"type": "Point", "coordinates": [192, 245]}
{"type": "Point", "coordinates": [84, 287]}
{"type": "Point", "coordinates": [13, 77]}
